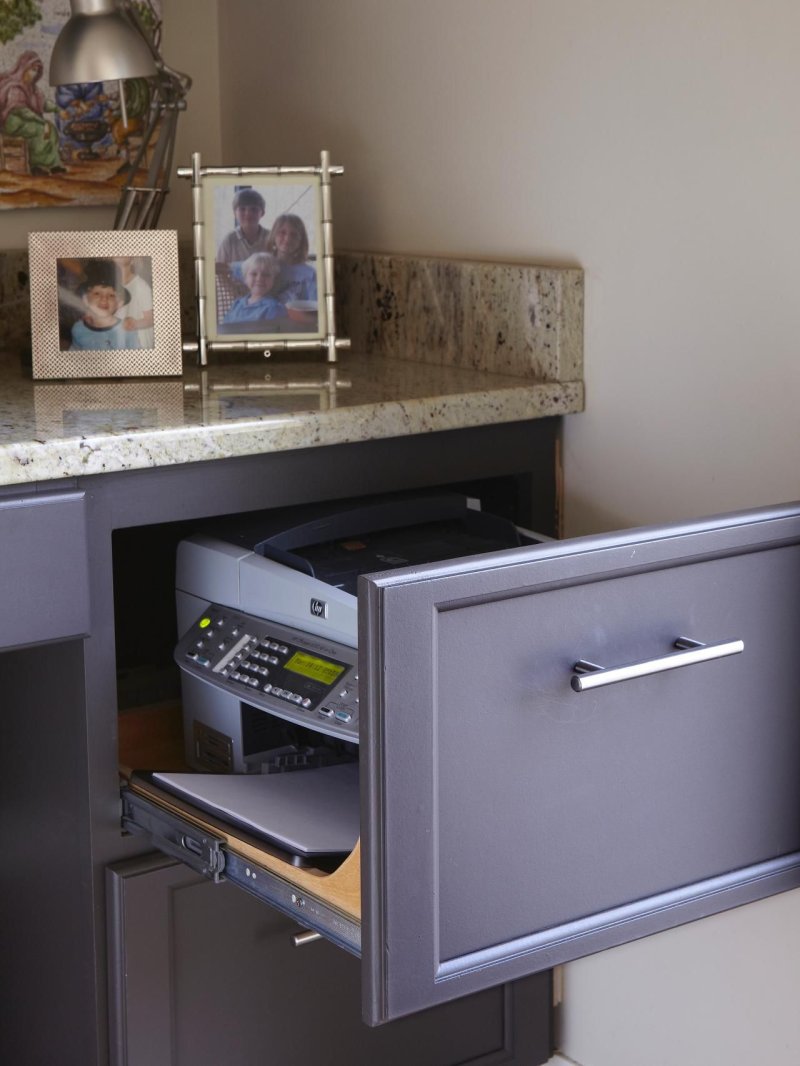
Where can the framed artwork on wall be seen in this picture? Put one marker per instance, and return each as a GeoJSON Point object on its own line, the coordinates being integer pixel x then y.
{"type": "Point", "coordinates": [66, 145]}
{"type": "Point", "coordinates": [105, 304]}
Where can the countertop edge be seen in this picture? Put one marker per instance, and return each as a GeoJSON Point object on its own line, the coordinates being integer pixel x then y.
{"type": "Point", "coordinates": [27, 462]}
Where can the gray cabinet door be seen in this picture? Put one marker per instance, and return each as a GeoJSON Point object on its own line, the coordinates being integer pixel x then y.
{"type": "Point", "coordinates": [44, 568]}
{"type": "Point", "coordinates": [204, 974]}
{"type": "Point", "coordinates": [512, 822]}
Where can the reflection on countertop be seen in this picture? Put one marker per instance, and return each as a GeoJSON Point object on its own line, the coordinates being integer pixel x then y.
{"type": "Point", "coordinates": [54, 429]}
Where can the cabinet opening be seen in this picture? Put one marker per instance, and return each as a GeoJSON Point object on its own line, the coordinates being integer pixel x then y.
{"type": "Point", "coordinates": [185, 736]}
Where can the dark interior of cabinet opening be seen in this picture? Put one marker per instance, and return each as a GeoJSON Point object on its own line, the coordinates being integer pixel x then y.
{"type": "Point", "coordinates": [144, 593]}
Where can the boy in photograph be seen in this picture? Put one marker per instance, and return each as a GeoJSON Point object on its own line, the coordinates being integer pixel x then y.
{"type": "Point", "coordinates": [249, 236]}
{"type": "Point", "coordinates": [260, 273]}
{"type": "Point", "coordinates": [102, 294]}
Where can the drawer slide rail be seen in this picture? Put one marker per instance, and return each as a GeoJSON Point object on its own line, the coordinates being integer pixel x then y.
{"type": "Point", "coordinates": [199, 850]}
{"type": "Point", "coordinates": [207, 855]}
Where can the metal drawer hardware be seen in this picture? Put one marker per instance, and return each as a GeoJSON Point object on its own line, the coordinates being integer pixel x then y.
{"type": "Point", "coordinates": [589, 675]}
{"type": "Point", "coordinates": [307, 936]}
{"type": "Point", "coordinates": [200, 850]}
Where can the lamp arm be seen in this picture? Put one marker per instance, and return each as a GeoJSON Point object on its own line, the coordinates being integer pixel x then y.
{"type": "Point", "coordinates": [179, 83]}
{"type": "Point", "coordinates": [140, 205]}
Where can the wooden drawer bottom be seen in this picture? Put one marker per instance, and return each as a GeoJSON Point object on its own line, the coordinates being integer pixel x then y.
{"type": "Point", "coordinates": [328, 902]}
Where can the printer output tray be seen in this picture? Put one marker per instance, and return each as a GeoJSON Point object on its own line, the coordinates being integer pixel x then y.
{"type": "Point", "coordinates": [326, 902]}
{"type": "Point", "coordinates": [312, 815]}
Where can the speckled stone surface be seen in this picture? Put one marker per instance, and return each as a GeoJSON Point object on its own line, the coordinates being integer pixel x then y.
{"type": "Point", "coordinates": [504, 318]}
{"type": "Point", "coordinates": [15, 297]}
{"type": "Point", "coordinates": [436, 345]}
{"type": "Point", "coordinates": [52, 430]}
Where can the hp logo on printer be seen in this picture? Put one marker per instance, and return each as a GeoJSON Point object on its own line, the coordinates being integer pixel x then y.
{"type": "Point", "coordinates": [319, 608]}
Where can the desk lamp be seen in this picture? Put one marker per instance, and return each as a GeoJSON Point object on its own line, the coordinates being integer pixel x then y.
{"type": "Point", "coordinates": [108, 40]}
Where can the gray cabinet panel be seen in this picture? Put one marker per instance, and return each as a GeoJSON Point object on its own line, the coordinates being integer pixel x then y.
{"type": "Point", "coordinates": [203, 974]}
{"type": "Point", "coordinates": [512, 822]}
{"type": "Point", "coordinates": [46, 922]}
{"type": "Point", "coordinates": [44, 586]}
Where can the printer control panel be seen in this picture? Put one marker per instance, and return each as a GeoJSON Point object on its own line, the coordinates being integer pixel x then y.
{"type": "Point", "coordinates": [294, 675]}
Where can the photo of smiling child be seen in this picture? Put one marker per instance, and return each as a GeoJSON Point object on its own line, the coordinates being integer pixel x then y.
{"type": "Point", "coordinates": [88, 306]}
{"type": "Point", "coordinates": [276, 222]}
{"type": "Point", "coordinates": [260, 272]}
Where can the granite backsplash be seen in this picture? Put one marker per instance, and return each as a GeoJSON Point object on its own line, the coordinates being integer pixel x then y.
{"type": "Point", "coordinates": [516, 319]}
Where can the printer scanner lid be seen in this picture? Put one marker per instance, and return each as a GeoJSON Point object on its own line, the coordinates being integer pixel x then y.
{"type": "Point", "coordinates": [338, 540]}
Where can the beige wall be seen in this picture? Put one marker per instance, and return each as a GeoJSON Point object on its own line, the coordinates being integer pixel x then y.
{"type": "Point", "coordinates": [190, 45]}
{"type": "Point", "coordinates": [658, 146]}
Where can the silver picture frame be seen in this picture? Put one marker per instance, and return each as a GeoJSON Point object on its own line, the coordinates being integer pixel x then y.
{"type": "Point", "coordinates": [89, 304]}
{"type": "Point", "coordinates": [252, 294]}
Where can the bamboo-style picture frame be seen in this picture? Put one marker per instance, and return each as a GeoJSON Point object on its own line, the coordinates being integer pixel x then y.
{"type": "Point", "coordinates": [263, 256]}
{"type": "Point", "coordinates": [105, 304]}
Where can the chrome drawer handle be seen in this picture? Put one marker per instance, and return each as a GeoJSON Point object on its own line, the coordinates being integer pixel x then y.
{"type": "Point", "coordinates": [589, 675]}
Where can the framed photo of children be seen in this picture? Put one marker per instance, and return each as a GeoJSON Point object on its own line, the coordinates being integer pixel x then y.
{"type": "Point", "coordinates": [263, 247]}
{"type": "Point", "coordinates": [105, 304]}
{"type": "Point", "coordinates": [263, 236]}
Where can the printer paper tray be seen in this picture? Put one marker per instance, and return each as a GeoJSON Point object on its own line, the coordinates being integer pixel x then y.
{"type": "Point", "coordinates": [327, 903]}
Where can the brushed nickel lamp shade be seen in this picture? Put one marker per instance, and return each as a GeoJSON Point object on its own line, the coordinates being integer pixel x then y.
{"type": "Point", "coordinates": [106, 40]}
{"type": "Point", "coordinates": [99, 43]}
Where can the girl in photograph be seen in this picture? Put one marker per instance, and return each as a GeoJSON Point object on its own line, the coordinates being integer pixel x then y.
{"type": "Point", "coordinates": [288, 242]}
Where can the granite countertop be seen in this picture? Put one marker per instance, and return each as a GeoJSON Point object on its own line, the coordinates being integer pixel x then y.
{"type": "Point", "coordinates": [58, 429]}
{"type": "Point", "coordinates": [451, 345]}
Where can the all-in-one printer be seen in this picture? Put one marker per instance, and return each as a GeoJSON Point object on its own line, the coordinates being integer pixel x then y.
{"type": "Point", "coordinates": [266, 605]}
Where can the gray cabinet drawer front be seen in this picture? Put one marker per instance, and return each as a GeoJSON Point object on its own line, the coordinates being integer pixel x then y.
{"type": "Point", "coordinates": [598, 798]}
{"type": "Point", "coordinates": [44, 583]}
{"type": "Point", "coordinates": [543, 823]}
